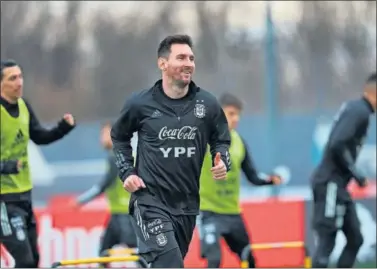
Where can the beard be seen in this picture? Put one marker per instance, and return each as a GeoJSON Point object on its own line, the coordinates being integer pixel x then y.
{"type": "Point", "coordinates": [181, 84]}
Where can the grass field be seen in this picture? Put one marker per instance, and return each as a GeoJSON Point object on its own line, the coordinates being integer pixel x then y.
{"type": "Point", "coordinates": [366, 265]}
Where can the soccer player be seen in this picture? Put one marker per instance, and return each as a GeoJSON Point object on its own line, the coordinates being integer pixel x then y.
{"type": "Point", "coordinates": [18, 231]}
{"type": "Point", "coordinates": [333, 206]}
{"type": "Point", "coordinates": [175, 120]}
{"type": "Point", "coordinates": [220, 214]}
{"type": "Point", "coordinates": [119, 229]}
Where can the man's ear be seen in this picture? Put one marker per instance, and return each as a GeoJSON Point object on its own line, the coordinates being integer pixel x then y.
{"type": "Point", "coordinates": [162, 63]}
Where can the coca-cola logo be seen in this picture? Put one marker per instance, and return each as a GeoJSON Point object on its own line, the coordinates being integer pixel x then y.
{"type": "Point", "coordinates": [184, 133]}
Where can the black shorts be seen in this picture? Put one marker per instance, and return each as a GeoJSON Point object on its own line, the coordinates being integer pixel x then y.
{"type": "Point", "coordinates": [213, 227]}
{"type": "Point", "coordinates": [159, 232]}
{"type": "Point", "coordinates": [332, 210]}
{"type": "Point", "coordinates": [119, 230]}
{"type": "Point", "coordinates": [18, 232]}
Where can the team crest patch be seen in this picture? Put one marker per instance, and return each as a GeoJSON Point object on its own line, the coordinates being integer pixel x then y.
{"type": "Point", "coordinates": [161, 239]}
{"type": "Point", "coordinates": [18, 225]}
{"type": "Point", "coordinates": [199, 111]}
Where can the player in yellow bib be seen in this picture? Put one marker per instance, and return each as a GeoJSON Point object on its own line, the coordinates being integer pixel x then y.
{"type": "Point", "coordinates": [220, 212]}
{"type": "Point", "coordinates": [18, 232]}
{"type": "Point", "coordinates": [119, 228]}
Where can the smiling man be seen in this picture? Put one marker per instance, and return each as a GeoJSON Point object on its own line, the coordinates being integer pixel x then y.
{"type": "Point", "coordinates": [175, 120]}
{"type": "Point", "coordinates": [18, 231]}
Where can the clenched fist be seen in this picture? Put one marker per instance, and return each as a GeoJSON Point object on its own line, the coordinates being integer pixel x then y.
{"type": "Point", "coordinates": [275, 179]}
{"type": "Point", "coordinates": [133, 183]}
{"type": "Point", "coordinates": [68, 118]}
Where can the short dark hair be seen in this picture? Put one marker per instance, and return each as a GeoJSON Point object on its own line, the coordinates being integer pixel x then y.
{"type": "Point", "coordinates": [6, 64]}
{"type": "Point", "coordinates": [372, 78]}
{"type": "Point", "coordinates": [164, 48]}
{"type": "Point", "coordinates": [228, 99]}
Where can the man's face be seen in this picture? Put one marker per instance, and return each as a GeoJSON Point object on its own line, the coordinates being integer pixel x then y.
{"type": "Point", "coordinates": [232, 114]}
{"type": "Point", "coordinates": [106, 137]}
{"type": "Point", "coordinates": [12, 83]}
{"type": "Point", "coordinates": [371, 91]}
{"type": "Point", "coordinates": [180, 65]}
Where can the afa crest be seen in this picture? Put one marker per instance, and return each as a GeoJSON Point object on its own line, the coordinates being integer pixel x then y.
{"type": "Point", "coordinates": [200, 111]}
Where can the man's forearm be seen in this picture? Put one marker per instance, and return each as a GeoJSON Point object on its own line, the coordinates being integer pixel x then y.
{"type": "Point", "coordinates": [124, 159]}
{"type": "Point", "coordinates": [344, 159]}
{"type": "Point", "coordinates": [89, 195]}
{"type": "Point", "coordinates": [95, 191]}
{"type": "Point", "coordinates": [42, 136]}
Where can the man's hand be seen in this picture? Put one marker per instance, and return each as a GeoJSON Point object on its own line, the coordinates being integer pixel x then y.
{"type": "Point", "coordinates": [68, 118]}
{"type": "Point", "coordinates": [133, 183]}
{"type": "Point", "coordinates": [19, 166]}
{"type": "Point", "coordinates": [275, 179]}
{"type": "Point", "coordinates": [219, 170]}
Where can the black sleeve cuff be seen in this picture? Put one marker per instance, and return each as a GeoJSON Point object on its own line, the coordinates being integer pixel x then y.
{"type": "Point", "coordinates": [10, 167]}
{"type": "Point", "coordinates": [128, 173]}
{"type": "Point", "coordinates": [64, 127]}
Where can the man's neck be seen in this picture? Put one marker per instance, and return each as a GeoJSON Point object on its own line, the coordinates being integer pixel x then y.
{"type": "Point", "coordinates": [173, 91]}
{"type": "Point", "coordinates": [370, 101]}
{"type": "Point", "coordinates": [9, 100]}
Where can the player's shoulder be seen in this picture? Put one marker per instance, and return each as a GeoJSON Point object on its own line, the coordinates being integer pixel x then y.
{"type": "Point", "coordinates": [207, 97]}
{"type": "Point", "coordinates": [358, 108]}
{"type": "Point", "coordinates": [140, 97]}
{"type": "Point", "coordinates": [25, 102]}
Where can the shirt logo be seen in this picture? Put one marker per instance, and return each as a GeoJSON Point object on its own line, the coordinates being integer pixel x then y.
{"type": "Point", "coordinates": [184, 133]}
{"type": "Point", "coordinates": [199, 110]}
{"type": "Point", "coordinates": [156, 114]}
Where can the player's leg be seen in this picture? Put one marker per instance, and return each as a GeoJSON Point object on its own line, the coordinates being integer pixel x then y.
{"type": "Point", "coordinates": [184, 228]}
{"type": "Point", "coordinates": [157, 243]}
{"type": "Point", "coordinates": [109, 237]}
{"type": "Point", "coordinates": [127, 233]}
{"type": "Point", "coordinates": [324, 247]}
{"type": "Point", "coordinates": [14, 236]}
{"type": "Point", "coordinates": [33, 236]}
{"type": "Point", "coordinates": [351, 229]}
{"type": "Point", "coordinates": [327, 216]}
{"type": "Point", "coordinates": [237, 237]}
{"type": "Point", "coordinates": [210, 235]}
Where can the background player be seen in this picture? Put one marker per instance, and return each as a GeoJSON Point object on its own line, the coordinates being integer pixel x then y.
{"type": "Point", "coordinates": [220, 214]}
{"type": "Point", "coordinates": [333, 206]}
{"type": "Point", "coordinates": [18, 231]}
{"type": "Point", "coordinates": [119, 229]}
{"type": "Point", "coordinates": [175, 120]}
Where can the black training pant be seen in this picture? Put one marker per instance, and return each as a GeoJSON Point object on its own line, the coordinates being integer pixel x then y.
{"type": "Point", "coordinates": [213, 227]}
{"type": "Point", "coordinates": [18, 233]}
{"type": "Point", "coordinates": [333, 213]}
{"type": "Point", "coordinates": [163, 239]}
{"type": "Point", "coordinates": [119, 230]}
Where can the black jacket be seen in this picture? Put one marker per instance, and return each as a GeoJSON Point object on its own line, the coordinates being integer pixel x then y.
{"type": "Point", "coordinates": [346, 138]}
{"type": "Point", "coordinates": [172, 140]}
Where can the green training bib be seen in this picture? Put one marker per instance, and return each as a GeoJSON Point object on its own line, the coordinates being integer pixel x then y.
{"type": "Point", "coordinates": [14, 146]}
{"type": "Point", "coordinates": [222, 196]}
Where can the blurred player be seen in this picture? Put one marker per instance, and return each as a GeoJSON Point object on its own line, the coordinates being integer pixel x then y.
{"type": "Point", "coordinates": [333, 206]}
{"type": "Point", "coordinates": [119, 229]}
{"type": "Point", "coordinates": [219, 200]}
{"type": "Point", "coordinates": [175, 120]}
{"type": "Point", "coordinates": [18, 231]}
